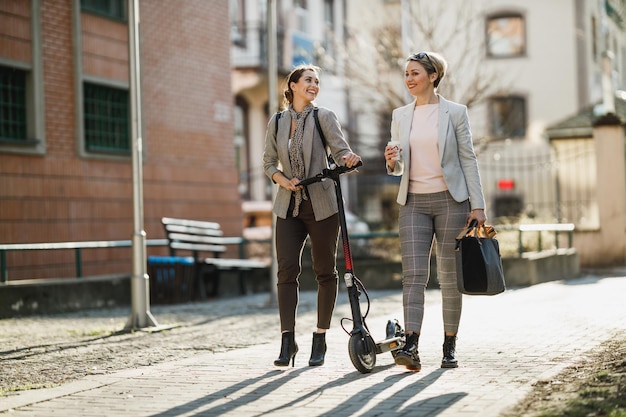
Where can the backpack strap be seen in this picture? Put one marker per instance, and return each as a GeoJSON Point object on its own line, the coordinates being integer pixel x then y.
{"type": "Point", "coordinates": [319, 127]}
{"type": "Point", "coordinates": [330, 158]}
{"type": "Point", "coordinates": [278, 114]}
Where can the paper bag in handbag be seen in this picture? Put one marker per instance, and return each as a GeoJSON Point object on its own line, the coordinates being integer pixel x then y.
{"type": "Point", "coordinates": [478, 262]}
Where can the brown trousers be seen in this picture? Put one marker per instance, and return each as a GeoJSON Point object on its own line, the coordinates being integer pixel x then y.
{"type": "Point", "coordinates": [291, 234]}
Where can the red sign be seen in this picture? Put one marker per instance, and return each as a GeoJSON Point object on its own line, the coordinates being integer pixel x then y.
{"type": "Point", "coordinates": [506, 184]}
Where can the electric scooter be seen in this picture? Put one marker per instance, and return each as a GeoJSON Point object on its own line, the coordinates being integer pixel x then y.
{"type": "Point", "coordinates": [361, 346]}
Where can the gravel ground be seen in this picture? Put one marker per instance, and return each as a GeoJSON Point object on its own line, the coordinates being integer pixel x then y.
{"type": "Point", "coordinates": [595, 386]}
{"type": "Point", "coordinates": [46, 351]}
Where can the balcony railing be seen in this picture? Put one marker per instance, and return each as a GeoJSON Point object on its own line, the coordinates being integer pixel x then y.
{"type": "Point", "coordinates": [249, 45]}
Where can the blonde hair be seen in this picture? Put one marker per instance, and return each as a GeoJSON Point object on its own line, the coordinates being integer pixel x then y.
{"type": "Point", "coordinates": [432, 63]}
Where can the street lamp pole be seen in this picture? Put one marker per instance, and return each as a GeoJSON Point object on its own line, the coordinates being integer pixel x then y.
{"type": "Point", "coordinates": [140, 294]}
{"type": "Point", "coordinates": [272, 75]}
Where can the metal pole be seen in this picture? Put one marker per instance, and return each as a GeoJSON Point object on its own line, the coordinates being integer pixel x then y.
{"type": "Point", "coordinates": [4, 274]}
{"type": "Point", "coordinates": [272, 75]}
{"type": "Point", "coordinates": [406, 19]}
{"type": "Point", "coordinates": [139, 283]}
{"type": "Point", "coordinates": [608, 95]}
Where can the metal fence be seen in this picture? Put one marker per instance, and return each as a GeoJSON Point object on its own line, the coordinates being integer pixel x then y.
{"type": "Point", "coordinates": [523, 182]}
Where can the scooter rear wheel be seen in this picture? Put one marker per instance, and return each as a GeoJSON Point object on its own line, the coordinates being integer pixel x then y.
{"type": "Point", "coordinates": [362, 352]}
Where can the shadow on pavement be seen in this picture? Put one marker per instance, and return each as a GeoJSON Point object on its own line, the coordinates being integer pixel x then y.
{"type": "Point", "coordinates": [227, 392]}
{"type": "Point", "coordinates": [356, 402]}
{"type": "Point", "coordinates": [353, 404]}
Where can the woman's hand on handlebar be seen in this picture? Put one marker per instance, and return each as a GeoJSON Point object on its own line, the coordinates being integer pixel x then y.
{"type": "Point", "coordinates": [351, 159]}
{"type": "Point", "coordinates": [289, 184]}
{"type": "Point", "coordinates": [293, 184]}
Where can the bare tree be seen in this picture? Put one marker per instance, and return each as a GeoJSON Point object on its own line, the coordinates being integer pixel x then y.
{"type": "Point", "coordinates": [375, 59]}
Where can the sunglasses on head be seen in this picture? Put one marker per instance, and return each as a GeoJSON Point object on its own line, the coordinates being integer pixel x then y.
{"type": "Point", "coordinates": [422, 55]}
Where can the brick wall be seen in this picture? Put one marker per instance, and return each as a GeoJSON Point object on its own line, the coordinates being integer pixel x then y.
{"type": "Point", "coordinates": [15, 34]}
{"type": "Point", "coordinates": [189, 164]}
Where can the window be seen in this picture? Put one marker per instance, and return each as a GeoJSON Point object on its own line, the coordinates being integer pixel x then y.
{"type": "Point", "coordinates": [506, 36]}
{"type": "Point", "coordinates": [508, 117]}
{"type": "Point", "coordinates": [594, 39]}
{"type": "Point", "coordinates": [22, 104]}
{"type": "Point", "coordinates": [242, 146]}
{"type": "Point", "coordinates": [113, 9]}
{"type": "Point", "coordinates": [302, 16]}
{"type": "Point", "coordinates": [13, 125]}
{"type": "Point", "coordinates": [237, 22]}
{"type": "Point", "coordinates": [329, 32]}
{"type": "Point", "coordinates": [106, 119]}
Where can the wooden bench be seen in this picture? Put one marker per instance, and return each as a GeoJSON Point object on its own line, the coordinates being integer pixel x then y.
{"type": "Point", "coordinates": [201, 238]}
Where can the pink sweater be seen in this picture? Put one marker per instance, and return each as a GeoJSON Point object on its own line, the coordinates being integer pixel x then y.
{"type": "Point", "coordinates": [425, 175]}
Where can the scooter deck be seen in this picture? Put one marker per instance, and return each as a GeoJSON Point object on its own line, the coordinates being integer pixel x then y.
{"type": "Point", "coordinates": [388, 345]}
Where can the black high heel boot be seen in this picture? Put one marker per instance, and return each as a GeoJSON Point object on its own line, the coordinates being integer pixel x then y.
{"type": "Point", "coordinates": [318, 351]}
{"type": "Point", "coordinates": [288, 350]}
{"type": "Point", "coordinates": [449, 346]}
{"type": "Point", "coordinates": [408, 355]}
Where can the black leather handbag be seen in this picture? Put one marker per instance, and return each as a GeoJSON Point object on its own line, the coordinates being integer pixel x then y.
{"type": "Point", "coordinates": [478, 261]}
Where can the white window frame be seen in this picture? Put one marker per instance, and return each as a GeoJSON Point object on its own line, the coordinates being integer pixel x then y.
{"type": "Point", "coordinates": [35, 99]}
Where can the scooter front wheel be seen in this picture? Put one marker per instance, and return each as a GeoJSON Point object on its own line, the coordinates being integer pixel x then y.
{"type": "Point", "coordinates": [362, 352]}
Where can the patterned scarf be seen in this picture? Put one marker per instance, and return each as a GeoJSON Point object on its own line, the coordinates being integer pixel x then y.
{"type": "Point", "coordinates": [296, 156]}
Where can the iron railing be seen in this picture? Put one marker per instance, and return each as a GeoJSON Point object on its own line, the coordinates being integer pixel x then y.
{"type": "Point", "coordinates": [77, 246]}
{"type": "Point", "coordinates": [356, 242]}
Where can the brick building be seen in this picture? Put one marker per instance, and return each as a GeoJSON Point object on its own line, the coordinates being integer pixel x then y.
{"type": "Point", "coordinates": [65, 142]}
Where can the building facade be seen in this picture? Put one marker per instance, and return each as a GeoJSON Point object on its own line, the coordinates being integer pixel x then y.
{"type": "Point", "coordinates": [516, 69]}
{"type": "Point", "coordinates": [307, 32]}
{"type": "Point", "coordinates": [65, 141]}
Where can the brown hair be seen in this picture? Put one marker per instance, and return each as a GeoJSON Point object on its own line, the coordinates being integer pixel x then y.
{"type": "Point", "coordinates": [294, 77]}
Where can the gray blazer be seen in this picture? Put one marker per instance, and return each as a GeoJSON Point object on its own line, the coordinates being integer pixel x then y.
{"type": "Point", "coordinates": [456, 152]}
{"type": "Point", "coordinates": [276, 158]}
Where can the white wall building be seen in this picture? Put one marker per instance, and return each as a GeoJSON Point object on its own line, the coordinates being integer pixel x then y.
{"type": "Point", "coordinates": [520, 65]}
{"type": "Point", "coordinates": [307, 32]}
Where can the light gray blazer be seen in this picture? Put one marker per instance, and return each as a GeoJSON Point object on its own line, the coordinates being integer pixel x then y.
{"type": "Point", "coordinates": [456, 152]}
{"type": "Point", "coordinates": [276, 158]}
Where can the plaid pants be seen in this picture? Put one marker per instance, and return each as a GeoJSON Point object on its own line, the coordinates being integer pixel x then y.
{"type": "Point", "coordinates": [425, 219]}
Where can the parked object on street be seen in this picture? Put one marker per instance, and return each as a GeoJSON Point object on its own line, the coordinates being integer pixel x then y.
{"type": "Point", "coordinates": [361, 346]}
{"type": "Point", "coordinates": [202, 237]}
{"type": "Point", "coordinates": [172, 279]}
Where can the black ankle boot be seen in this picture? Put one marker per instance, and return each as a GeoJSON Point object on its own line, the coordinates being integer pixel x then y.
{"type": "Point", "coordinates": [449, 346]}
{"type": "Point", "coordinates": [288, 350]}
{"type": "Point", "coordinates": [318, 350]}
{"type": "Point", "coordinates": [408, 355]}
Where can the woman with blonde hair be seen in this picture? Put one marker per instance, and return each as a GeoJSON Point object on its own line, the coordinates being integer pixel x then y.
{"type": "Point", "coordinates": [440, 193]}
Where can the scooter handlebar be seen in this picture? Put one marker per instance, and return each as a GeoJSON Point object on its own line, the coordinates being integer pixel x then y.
{"type": "Point", "coordinates": [330, 173]}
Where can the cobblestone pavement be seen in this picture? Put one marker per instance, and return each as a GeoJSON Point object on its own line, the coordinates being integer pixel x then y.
{"type": "Point", "coordinates": [215, 358]}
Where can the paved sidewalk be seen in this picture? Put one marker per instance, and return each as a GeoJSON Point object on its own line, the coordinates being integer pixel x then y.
{"type": "Point", "coordinates": [506, 343]}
